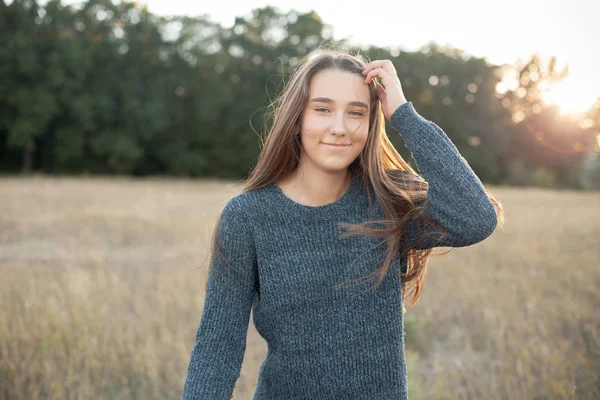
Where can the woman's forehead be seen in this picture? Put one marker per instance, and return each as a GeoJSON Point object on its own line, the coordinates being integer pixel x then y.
{"type": "Point", "coordinates": [339, 86]}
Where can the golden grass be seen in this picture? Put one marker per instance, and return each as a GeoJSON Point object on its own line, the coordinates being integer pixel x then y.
{"type": "Point", "coordinates": [100, 295]}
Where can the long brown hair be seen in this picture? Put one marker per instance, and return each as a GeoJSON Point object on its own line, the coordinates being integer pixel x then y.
{"type": "Point", "coordinates": [400, 191]}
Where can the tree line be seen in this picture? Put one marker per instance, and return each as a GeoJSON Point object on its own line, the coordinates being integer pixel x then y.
{"type": "Point", "coordinates": [103, 88]}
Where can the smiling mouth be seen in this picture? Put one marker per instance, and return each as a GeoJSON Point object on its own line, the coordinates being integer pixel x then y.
{"type": "Point", "coordinates": [336, 146]}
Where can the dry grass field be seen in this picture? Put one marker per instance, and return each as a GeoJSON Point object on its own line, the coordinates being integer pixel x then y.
{"type": "Point", "coordinates": [101, 295]}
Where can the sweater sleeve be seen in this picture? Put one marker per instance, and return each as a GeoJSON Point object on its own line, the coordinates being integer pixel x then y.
{"type": "Point", "coordinates": [217, 355]}
{"type": "Point", "coordinates": [457, 198]}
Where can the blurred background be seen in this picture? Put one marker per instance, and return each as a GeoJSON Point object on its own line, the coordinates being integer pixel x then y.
{"type": "Point", "coordinates": [126, 126]}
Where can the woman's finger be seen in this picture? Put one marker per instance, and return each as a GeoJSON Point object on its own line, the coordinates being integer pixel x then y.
{"type": "Point", "coordinates": [380, 72]}
{"type": "Point", "coordinates": [387, 65]}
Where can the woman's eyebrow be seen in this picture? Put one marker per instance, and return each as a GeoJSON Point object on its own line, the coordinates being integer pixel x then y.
{"type": "Point", "coordinates": [328, 100]}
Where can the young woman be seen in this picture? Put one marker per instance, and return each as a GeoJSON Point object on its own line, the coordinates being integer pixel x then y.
{"type": "Point", "coordinates": [288, 246]}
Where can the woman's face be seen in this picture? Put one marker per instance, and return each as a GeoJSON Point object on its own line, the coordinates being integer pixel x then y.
{"type": "Point", "coordinates": [336, 113]}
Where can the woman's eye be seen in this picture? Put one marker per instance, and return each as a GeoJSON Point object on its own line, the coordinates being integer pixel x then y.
{"type": "Point", "coordinates": [356, 113]}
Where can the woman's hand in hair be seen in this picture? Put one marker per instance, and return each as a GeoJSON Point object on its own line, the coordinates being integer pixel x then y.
{"type": "Point", "coordinates": [390, 94]}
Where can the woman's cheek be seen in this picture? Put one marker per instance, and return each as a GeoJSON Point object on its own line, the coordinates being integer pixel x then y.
{"type": "Point", "coordinates": [312, 132]}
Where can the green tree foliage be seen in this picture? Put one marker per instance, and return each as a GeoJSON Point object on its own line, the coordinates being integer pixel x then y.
{"type": "Point", "coordinates": [111, 88]}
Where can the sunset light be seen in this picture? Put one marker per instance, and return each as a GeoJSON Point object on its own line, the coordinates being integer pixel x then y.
{"type": "Point", "coordinates": [571, 95]}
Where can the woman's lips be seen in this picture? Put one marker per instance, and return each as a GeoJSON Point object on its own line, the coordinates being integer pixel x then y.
{"type": "Point", "coordinates": [336, 146]}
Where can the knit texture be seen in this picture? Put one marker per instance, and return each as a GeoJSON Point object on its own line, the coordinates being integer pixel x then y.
{"type": "Point", "coordinates": [285, 260]}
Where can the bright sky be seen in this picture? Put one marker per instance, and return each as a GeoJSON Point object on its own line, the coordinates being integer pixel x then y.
{"type": "Point", "coordinates": [502, 31]}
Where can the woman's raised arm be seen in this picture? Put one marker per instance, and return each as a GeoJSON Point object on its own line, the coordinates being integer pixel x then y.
{"type": "Point", "coordinates": [456, 198]}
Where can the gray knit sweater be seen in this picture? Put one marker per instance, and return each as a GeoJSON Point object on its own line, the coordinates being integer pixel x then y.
{"type": "Point", "coordinates": [324, 342]}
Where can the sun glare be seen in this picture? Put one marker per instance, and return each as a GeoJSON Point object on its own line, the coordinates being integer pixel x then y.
{"type": "Point", "coordinates": [572, 98]}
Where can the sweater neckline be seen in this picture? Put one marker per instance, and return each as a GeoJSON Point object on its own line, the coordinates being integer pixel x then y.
{"type": "Point", "coordinates": [331, 209]}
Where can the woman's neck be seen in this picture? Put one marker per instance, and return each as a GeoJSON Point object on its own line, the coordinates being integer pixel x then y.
{"type": "Point", "coordinates": [315, 188]}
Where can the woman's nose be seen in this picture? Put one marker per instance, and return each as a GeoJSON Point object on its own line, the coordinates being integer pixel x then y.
{"type": "Point", "coordinates": [339, 125]}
